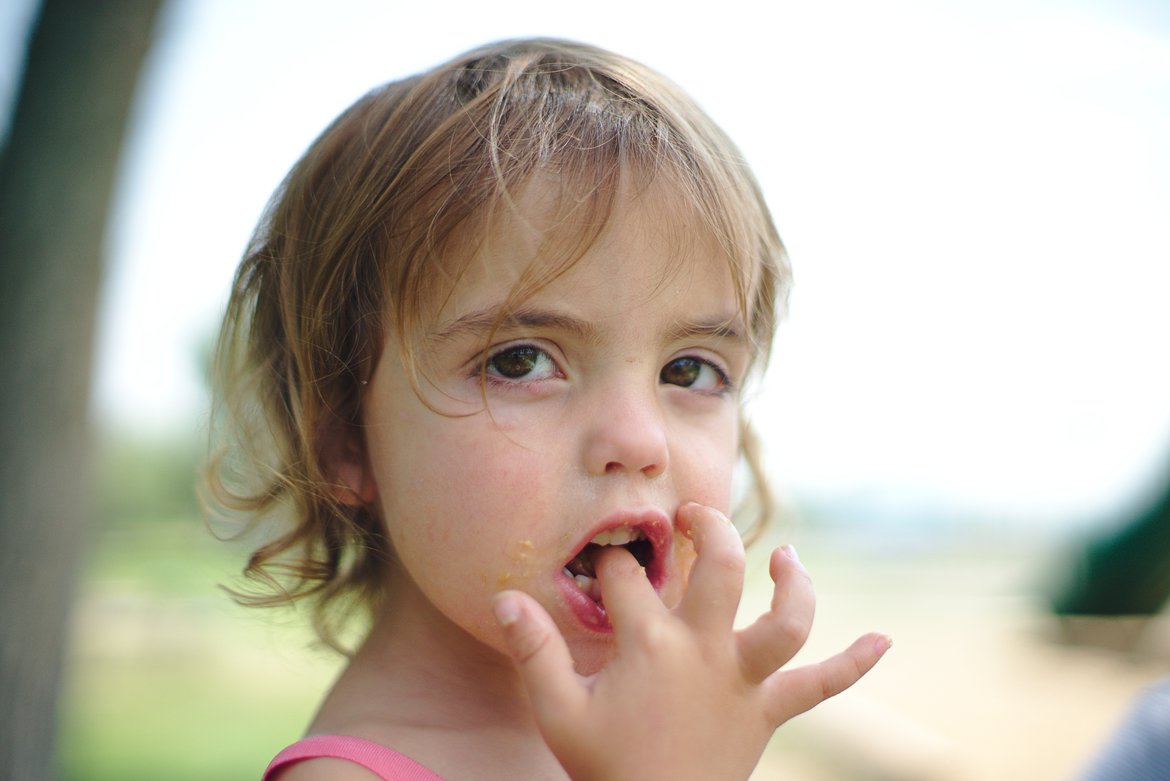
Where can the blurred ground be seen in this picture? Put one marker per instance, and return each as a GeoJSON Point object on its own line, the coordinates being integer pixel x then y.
{"type": "Point", "coordinates": [167, 675]}
{"type": "Point", "coordinates": [980, 683]}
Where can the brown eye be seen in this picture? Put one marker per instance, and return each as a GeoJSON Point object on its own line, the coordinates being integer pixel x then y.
{"type": "Point", "coordinates": [514, 363]}
{"type": "Point", "coordinates": [522, 362]}
{"type": "Point", "coordinates": [682, 371]}
{"type": "Point", "coordinates": [694, 373]}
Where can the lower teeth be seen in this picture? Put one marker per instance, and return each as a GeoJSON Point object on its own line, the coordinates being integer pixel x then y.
{"type": "Point", "coordinates": [587, 584]}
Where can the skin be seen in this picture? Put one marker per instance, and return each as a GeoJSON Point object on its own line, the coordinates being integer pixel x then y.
{"type": "Point", "coordinates": [612, 397]}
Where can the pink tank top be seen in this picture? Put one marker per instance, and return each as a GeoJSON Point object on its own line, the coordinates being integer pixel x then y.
{"type": "Point", "coordinates": [386, 763]}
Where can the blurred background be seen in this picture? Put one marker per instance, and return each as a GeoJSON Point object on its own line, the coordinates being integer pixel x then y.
{"type": "Point", "coordinates": [967, 414]}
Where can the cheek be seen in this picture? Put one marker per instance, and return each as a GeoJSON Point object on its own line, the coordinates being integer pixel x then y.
{"type": "Point", "coordinates": [704, 476]}
{"type": "Point", "coordinates": [471, 500]}
{"type": "Point", "coordinates": [705, 462]}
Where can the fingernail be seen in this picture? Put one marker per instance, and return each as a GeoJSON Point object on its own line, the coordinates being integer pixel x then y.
{"type": "Point", "coordinates": [507, 609]}
{"type": "Point", "coordinates": [790, 552]}
{"type": "Point", "coordinates": [884, 643]}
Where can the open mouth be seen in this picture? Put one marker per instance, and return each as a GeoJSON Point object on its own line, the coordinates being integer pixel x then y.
{"type": "Point", "coordinates": [580, 568]}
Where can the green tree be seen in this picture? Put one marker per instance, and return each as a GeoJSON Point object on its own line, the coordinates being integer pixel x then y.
{"type": "Point", "coordinates": [1123, 571]}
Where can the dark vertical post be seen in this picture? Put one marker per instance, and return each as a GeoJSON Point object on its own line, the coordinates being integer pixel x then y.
{"type": "Point", "coordinates": [56, 174]}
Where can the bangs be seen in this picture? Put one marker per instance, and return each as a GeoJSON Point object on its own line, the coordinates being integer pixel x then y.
{"type": "Point", "coordinates": [583, 124]}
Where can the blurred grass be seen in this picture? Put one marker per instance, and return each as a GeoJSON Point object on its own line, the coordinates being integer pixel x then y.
{"type": "Point", "coordinates": [166, 676]}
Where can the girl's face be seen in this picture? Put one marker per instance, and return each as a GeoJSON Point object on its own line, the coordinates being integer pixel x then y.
{"type": "Point", "coordinates": [611, 400]}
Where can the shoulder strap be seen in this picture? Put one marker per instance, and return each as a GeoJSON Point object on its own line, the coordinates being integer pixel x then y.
{"type": "Point", "coordinates": [387, 763]}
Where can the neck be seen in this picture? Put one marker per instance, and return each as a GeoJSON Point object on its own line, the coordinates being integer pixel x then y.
{"type": "Point", "coordinates": [425, 687]}
{"type": "Point", "coordinates": [418, 669]}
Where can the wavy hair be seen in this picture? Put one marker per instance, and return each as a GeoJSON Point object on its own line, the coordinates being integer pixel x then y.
{"type": "Point", "coordinates": [359, 241]}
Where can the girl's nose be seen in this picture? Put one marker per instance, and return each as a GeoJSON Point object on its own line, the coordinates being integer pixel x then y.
{"type": "Point", "coordinates": [626, 435]}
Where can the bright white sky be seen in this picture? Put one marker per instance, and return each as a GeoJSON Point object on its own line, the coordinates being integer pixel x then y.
{"type": "Point", "coordinates": [975, 195]}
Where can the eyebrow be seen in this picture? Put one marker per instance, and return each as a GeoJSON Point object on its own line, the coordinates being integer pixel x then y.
{"type": "Point", "coordinates": [493, 318]}
{"type": "Point", "coordinates": [728, 328]}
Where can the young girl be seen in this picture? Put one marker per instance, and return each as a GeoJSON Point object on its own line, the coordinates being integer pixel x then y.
{"type": "Point", "coordinates": [483, 358]}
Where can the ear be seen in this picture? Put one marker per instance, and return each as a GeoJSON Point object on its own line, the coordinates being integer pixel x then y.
{"type": "Point", "coordinates": [344, 461]}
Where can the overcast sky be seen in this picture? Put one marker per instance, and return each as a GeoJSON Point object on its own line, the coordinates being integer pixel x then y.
{"type": "Point", "coordinates": [975, 195]}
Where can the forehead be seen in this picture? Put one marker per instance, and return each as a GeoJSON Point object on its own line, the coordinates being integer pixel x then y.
{"type": "Point", "coordinates": [635, 243]}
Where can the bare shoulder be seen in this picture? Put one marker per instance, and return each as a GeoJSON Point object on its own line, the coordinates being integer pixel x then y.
{"type": "Point", "coordinates": [326, 769]}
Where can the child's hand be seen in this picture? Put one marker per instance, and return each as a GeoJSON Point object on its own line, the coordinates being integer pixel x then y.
{"type": "Point", "coordinates": [685, 696]}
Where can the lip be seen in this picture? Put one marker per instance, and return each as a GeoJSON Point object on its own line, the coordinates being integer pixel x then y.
{"type": "Point", "coordinates": [657, 529]}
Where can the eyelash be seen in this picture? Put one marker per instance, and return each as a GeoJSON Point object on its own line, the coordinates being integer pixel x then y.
{"type": "Point", "coordinates": [484, 373]}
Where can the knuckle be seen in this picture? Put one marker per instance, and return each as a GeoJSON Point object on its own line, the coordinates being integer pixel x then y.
{"type": "Point", "coordinates": [528, 643]}
{"type": "Point", "coordinates": [728, 559]}
{"type": "Point", "coordinates": [794, 629]}
{"type": "Point", "coordinates": [838, 679]}
{"type": "Point", "coordinates": [651, 637]}
{"type": "Point", "coordinates": [806, 580]}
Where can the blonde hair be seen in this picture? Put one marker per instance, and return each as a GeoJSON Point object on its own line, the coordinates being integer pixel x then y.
{"type": "Point", "coordinates": [358, 242]}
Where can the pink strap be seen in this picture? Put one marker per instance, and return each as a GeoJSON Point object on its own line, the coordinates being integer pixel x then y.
{"type": "Point", "coordinates": [387, 763]}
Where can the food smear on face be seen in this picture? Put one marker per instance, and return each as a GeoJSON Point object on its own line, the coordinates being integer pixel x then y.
{"type": "Point", "coordinates": [522, 557]}
{"type": "Point", "coordinates": [683, 551]}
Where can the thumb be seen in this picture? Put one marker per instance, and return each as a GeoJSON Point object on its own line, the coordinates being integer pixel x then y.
{"type": "Point", "coordinates": [542, 658]}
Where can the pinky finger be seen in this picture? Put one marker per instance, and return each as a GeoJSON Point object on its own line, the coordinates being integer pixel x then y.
{"type": "Point", "coordinates": [792, 692]}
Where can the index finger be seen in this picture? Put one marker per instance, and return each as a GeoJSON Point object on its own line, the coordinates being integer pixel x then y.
{"type": "Point", "coordinates": [626, 592]}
